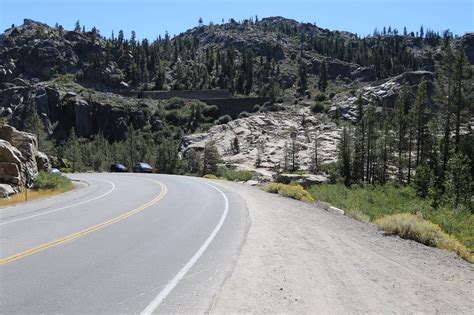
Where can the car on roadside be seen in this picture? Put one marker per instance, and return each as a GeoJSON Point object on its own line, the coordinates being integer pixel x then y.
{"type": "Point", "coordinates": [142, 167]}
{"type": "Point", "coordinates": [118, 168]}
{"type": "Point", "coordinates": [55, 171]}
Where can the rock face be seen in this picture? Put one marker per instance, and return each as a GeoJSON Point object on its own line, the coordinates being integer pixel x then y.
{"type": "Point", "coordinates": [20, 160]}
{"type": "Point", "coordinates": [35, 50]}
{"type": "Point", "coordinates": [269, 133]}
{"type": "Point", "coordinates": [344, 105]}
{"type": "Point", "coordinates": [107, 113]}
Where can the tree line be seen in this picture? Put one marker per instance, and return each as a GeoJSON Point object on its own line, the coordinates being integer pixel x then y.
{"type": "Point", "coordinates": [412, 145]}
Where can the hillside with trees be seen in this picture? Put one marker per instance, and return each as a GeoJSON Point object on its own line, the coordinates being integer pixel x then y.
{"type": "Point", "coordinates": [394, 107]}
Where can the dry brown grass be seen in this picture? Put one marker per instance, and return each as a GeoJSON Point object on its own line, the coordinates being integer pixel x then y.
{"type": "Point", "coordinates": [291, 191]}
{"type": "Point", "coordinates": [32, 195]}
{"type": "Point", "coordinates": [413, 227]}
{"type": "Point", "coordinates": [358, 215]}
{"type": "Point", "coordinates": [210, 176]}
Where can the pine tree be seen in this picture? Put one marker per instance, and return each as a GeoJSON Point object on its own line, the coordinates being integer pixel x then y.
{"type": "Point", "coordinates": [303, 77]}
{"type": "Point", "coordinates": [33, 124]}
{"type": "Point", "coordinates": [423, 180]}
{"type": "Point", "coordinates": [458, 180]}
{"type": "Point", "coordinates": [77, 27]}
{"type": "Point", "coordinates": [293, 151]}
{"type": "Point", "coordinates": [460, 86]}
{"type": "Point", "coordinates": [345, 157]}
{"type": "Point", "coordinates": [234, 146]}
{"type": "Point", "coordinates": [260, 149]}
{"type": "Point", "coordinates": [167, 161]}
{"type": "Point", "coordinates": [323, 78]}
{"type": "Point", "coordinates": [446, 82]}
{"type": "Point", "coordinates": [131, 143]}
{"type": "Point", "coordinates": [371, 141]}
{"type": "Point", "coordinates": [72, 150]}
{"type": "Point", "coordinates": [359, 143]}
{"type": "Point", "coordinates": [314, 165]}
{"type": "Point", "coordinates": [211, 159]}
{"type": "Point", "coordinates": [400, 126]}
{"type": "Point", "coordinates": [420, 120]}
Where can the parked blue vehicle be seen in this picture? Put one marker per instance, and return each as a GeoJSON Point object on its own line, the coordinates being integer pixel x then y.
{"type": "Point", "coordinates": [142, 167]}
{"type": "Point", "coordinates": [120, 168]}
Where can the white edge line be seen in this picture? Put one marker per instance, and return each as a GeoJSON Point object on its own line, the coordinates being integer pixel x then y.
{"type": "Point", "coordinates": [65, 207]}
{"type": "Point", "coordinates": [180, 275]}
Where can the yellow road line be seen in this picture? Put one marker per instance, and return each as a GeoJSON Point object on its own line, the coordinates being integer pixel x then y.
{"type": "Point", "coordinates": [76, 235]}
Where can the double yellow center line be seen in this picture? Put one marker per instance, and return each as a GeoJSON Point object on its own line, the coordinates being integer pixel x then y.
{"type": "Point", "coordinates": [94, 228]}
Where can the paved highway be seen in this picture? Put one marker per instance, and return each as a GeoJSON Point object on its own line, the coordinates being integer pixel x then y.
{"type": "Point", "coordinates": [124, 243]}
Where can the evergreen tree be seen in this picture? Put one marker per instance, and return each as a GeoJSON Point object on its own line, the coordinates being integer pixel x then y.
{"type": "Point", "coordinates": [460, 87]}
{"type": "Point", "coordinates": [458, 180]}
{"type": "Point", "coordinates": [370, 121]}
{"type": "Point", "coordinates": [345, 157]}
{"type": "Point", "coordinates": [211, 159]}
{"type": "Point", "coordinates": [359, 143]}
{"type": "Point", "coordinates": [400, 126]}
{"type": "Point", "coordinates": [167, 161]}
{"type": "Point", "coordinates": [323, 78]}
{"type": "Point", "coordinates": [446, 83]}
{"type": "Point", "coordinates": [77, 27]}
{"type": "Point", "coordinates": [423, 179]}
{"type": "Point", "coordinates": [314, 165]}
{"type": "Point", "coordinates": [303, 77]}
{"type": "Point", "coordinates": [34, 125]}
{"type": "Point", "coordinates": [73, 150]}
{"type": "Point", "coordinates": [234, 146]}
{"type": "Point", "coordinates": [131, 144]}
{"type": "Point", "coordinates": [294, 149]}
{"type": "Point", "coordinates": [421, 120]}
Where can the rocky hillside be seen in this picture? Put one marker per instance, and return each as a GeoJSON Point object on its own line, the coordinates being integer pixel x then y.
{"type": "Point", "coordinates": [83, 81]}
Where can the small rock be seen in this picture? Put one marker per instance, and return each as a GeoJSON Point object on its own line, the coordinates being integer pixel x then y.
{"type": "Point", "coordinates": [252, 182]}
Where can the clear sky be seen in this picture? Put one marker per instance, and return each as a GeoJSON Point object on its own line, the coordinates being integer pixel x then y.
{"type": "Point", "coordinates": [150, 18]}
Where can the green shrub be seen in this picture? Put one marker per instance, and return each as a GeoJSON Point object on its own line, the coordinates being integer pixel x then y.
{"type": "Point", "coordinates": [379, 201]}
{"type": "Point", "coordinates": [320, 97]}
{"type": "Point", "coordinates": [46, 180]}
{"type": "Point", "coordinates": [291, 191]}
{"type": "Point", "coordinates": [223, 120]}
{"type": "Point", "coordinates": [244, 114]}
{"type": "Point", "coordinates": [256, 108]}
{"type": "Point", "coordinates": [234, 175]}
{"type": "Point", "coordinates": [317, 107]}
{"type": "Point", "coordinates": [211, 111]}
{"type": "Point", "coordinates": [210, 176]}
{"type": "Point", "coordinates": [423, 180]}
{"type": "Point", "coordinates": [413, 227]}
{"type": "Point", "coordinates": [175, 103]}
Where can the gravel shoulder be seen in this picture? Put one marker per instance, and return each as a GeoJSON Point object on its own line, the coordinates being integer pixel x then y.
{"type": "Point", "coordinates": [298, 258]}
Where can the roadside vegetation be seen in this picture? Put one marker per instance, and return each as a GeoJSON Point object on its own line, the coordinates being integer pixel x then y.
{"type": "Point", "coordinates": [384, 206]}
{"type": "Point", "coordinates": [52, 181]}
{"type": "Point", "coordinates": [236, 175]}
{"type": "Point", "coordinates": [291, 191]}
{"type": "Point", "coordinates": [46, 185]}
{"type": "Point", "coordinates": [409, 226]}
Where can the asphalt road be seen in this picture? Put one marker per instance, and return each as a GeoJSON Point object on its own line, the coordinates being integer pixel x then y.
{"type": "Point", "coordinates": [123, 243]}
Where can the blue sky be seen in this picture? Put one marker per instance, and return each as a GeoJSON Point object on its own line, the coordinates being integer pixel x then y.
{"type": "Point", "coordinates": [150, 18]}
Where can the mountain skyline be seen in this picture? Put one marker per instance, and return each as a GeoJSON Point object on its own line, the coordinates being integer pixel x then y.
{"type": "Point", "coordinates": [149, 19]}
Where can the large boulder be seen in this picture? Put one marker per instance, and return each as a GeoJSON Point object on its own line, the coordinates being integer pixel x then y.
{"type": "Point", "coordinates": [42, 161]}
{"type": "Point", "coordinates": [18, 157]}
{"type": "Point", "coordinates": [6, 190]}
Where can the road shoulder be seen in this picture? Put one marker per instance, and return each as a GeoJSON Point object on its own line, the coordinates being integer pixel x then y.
{"type": "Point", "coordinates": [298, 258]}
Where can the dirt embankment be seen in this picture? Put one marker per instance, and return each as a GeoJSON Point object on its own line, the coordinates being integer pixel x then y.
{"type": "Point", "coordinates": [301, 259]}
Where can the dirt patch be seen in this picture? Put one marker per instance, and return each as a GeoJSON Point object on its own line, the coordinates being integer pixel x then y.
{"type": "Point", "coordinates": [299, 258]}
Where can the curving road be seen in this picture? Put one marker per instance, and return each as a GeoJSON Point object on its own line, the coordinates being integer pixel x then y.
{"type": "Point", "coordinates": [130, 243]}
